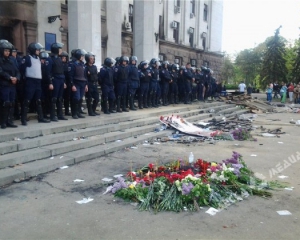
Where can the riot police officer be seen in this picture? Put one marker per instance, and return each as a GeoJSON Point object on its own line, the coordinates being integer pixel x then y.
{"type": "Point", "coordinates": [9, 75]}
{"type": "Point", "coordinates": [106, 80]}
{"type": "Point", "coordinates": [173, 84]}
{"type": "Point", "coordinates": [154, 83]}
{"type": "Point", "coordinates": [188, 79]}
{"type": "Point", "coordinates": [46, 80]}
{"type": "Point", "coordinates": [199, 79]}
{"type": "Point", "coordinates": [57, 82]}
{"type": "Point", "coordinates": [78, 81]}
{"type": "Point", "coordinates": [134, 81]}
{"type": "Point", "coordinates": [121, 76]}
{"type": "Point", "coordinates": [31, 67]}
{"type": "Point", "coordinates": [165, 81]}
{"type": "Point", "coordinates": [145, 76]}
{"type": "Point", "coordinates": [67, 91]}
{"type": "Point", "coordinates": [92, 76]}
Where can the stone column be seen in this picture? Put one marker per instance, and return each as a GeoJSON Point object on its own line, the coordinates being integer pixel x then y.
{"type": "Point", "coordinates": [114, 21]}
{"type": "Point", "coordinates": [145, 25]}
{"type": "Point", "coordinates": [84, 26]}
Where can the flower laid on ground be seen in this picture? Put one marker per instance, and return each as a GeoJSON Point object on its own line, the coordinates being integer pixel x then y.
{"type": "Point", "coordinates": [179, 185]}
{"type": "Point", "coordinates": [242, 134]}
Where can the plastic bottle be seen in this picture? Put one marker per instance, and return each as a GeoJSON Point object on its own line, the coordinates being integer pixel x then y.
{"type": "Point", "coordinates": [191, 157]}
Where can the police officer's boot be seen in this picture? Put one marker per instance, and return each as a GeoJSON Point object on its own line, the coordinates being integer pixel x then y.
{"type": "Point", "coordinates": [53, 117]}
{"type": "Point", "coordinates": [104, 107]}
{"type": "Point", "coordinates": [40, 112]}
{"type": "Point", "coordinates": [145, 102]}
{"type": "Point", "coordinates": [66, 106]}
{"type": "Point", "coordinates": [24, 111]}
{"type": "Point", "coordinates": [16, 111]}
{"type": "Point", "coordinates": [172, 98]}
{"type": "Point", "coordinates": [10, 116]}
{"type": "Point", "coordinates": [119, 104]}
{"type": "Point", "coordinates": [124, 105]}
{"type": "Point", "coordinates": [4, 113]}
{"type": "Point", "coordinates": [149, 97]}
{"type": "Point", "coordinates": [79, 109]}
{"type": "Point", "coordinates": [111, 106]}
{"type": "Point", "coordinates": [164, 100]}
{"type": "Point", "coordinates": [89, 106]}
{"type": "Point", "coordinates": [60, 115]}
{"type": "Point", "coordinates": [74, 106]}
{"type": "Point", "coordinates": [176, 99]}
{"type": "Point", "coordinates": [94, 107]}
{"type": "Point", "coordinates": [140, 102]}
{"type": "Point", "coordinates": [131, 102]}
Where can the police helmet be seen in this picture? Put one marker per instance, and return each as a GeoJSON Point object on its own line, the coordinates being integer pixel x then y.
{"type": "Point", "coordinates": [43, 55]}
{"type": "Point", "coordinates": [55, 47]}
{"type": "Point", "coordinates": [117, 59]}
{"type": "Point", "coordinates": [170, 67]}
{"type": "Point", "coordinates": [133, 58]}
{"type": "Point", "coordinates": [88, 55]}
{"type": "Point", "coordinates": [109, 62]}
{"type": "Point", "coordinates": [4, 44]}
{"type": "Point", "coordinates": [64, 54]}
{"type": "Point", "coordinates": [153, 61]}
{"type": "Point", "coordinates": [79, 53]}
{"type": "Point", "coordinates": [144, 64]}
{"type": "Point", "coordinates": [73, 53]}
{"type": "Point", "coordinates": [165, 64]}
{"type": "Point", "coordinates": [124, 58]}
{"type": "Point", "coordinates": [182, 68]}
{"type": "Point", "coordinates": [32, 47]}
{"type": "Point", "coordinates": [175, 67]}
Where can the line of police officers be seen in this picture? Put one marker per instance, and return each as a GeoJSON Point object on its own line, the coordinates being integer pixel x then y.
{"type": "Point", "coordinates": [53, 81]}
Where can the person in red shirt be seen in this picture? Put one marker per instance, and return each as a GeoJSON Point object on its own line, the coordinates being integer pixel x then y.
{"type": "Point", "coordinates": [291, 91]}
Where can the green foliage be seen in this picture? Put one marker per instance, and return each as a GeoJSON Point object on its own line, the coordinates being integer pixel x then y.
{"type": "Point", "coordinates": [295, 75]}
{"type": "Point", "coordinates": [274, 63]}
{"type": "Point", "coordinates": [228, 70]}
{"type": "Point", "coordinates": [231, 86]}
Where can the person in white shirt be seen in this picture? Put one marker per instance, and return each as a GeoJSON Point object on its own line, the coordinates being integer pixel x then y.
{"type": "Point", "coordinates": [242, 87]}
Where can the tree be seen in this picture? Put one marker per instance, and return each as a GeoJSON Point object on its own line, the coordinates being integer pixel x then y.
{"type": "Point", "coordinates": [227, 71]}
{"type": "Point", "coordinates": [296, 63]}
{"type": "Point", "coordinates": [274, 63]}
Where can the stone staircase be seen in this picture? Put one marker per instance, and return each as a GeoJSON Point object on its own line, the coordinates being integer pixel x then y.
{"type": "Point", "coordinates": [39, 148]}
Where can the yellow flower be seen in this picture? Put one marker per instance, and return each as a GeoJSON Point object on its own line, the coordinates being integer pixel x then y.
{"type": "Point", "coordinates": [131, 186]}
{"type": "Point", "coordinates": [214, 164]}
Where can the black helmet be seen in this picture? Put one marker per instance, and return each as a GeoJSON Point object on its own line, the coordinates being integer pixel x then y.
{"type": "Point", "coordinates": [32, 47]}
{"type": "Point", "coordinates": [182, 68]}
{"type": "Point", "coordinates": [117, 59]}
{"type": "Point", "coordinates": [144, 63]}
{"type": "Point", "coordinates": [133, 58]}
{"type": "Point", "coordinates": [88, 55]}
{"type": "Point", "coordinates": [124, 58]}
{"type": "Point", "coordinates": [154, 61]}
{"type": "Point", "coordinates": [73, 53]}
{"type": "Point", "coordinates": [109, 62]}
{"type": "Point", "coordinates": [175, 67]}
{"type": "Point", "coordinates": [4, 44]}
{"type": "Point", "coordinates": [55, 47]}
{"type": "Point", "coordinates": [64, 54]}
{"type": "Point", "coordinates": [43, 55]}
{"type": "Point", "coordinates": [78, 53]}
{"type": "Point", "coordinates": [164, 63]}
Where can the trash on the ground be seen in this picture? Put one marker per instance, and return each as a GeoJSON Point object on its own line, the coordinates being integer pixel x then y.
{"type": "Point", "coordinates": [118, 140]}
{"type": "Point", "coordinates": [293, 122]}
{"type": "Point", "coordinates": [108, 189]}
{"type": "Point", "coordinates": [289, 188]}
{"type": "Point", "coordinates": [212, 110]}
{"type": "Point", "coordinates": [204, 124]}
{"type": "Point", "coordinates": [52, 158]}
{"type": "Point", "coordinates": [17, 139]}
{"type": "Point", "coordinates": [161, 128]}
{"type": "Point", "coordinates": [146, 144]}
{"type": "Point", "coordinates": [133, 147]}
{"type": "Point", "coordinates": [248, 117]}
{"type": "Point", "coordinates": [253, 155]}
{"type": "Point", "coordinates": [78, 180]}
{"type": "Point", "coordinates": [74, 129]}
{"type": "Point", "coordinates": [280, 142]}
{"type": "Point", "coordinates": [61, 157]}
{"type": "Point", "coordinates": [118, 175]}
{"type": "Point", "coordinates": [17, 180]}
{"type": "Point", "coordinates": [284, 212]}
{"type": "Point", "coordinates": [79, 138]}
{"type": "Point", "coordinates": [282, 176]}
{"type": "Point", "coordinates": [298, 122]}
{"type": "Point", "coordinates": [156, 143]}
{"type": "Point", "coordinates": [107, 179]}
{"type": "Point", "coordinates": [147, 134]}
{"type": "Point", "coordinates": [63, 167]}
{"type": "Point", "coordinates": [268, 135]}
{"type": "Point", "coordinates": [212, 211]}
{"type": "Point", "coordinates": [85, 200]}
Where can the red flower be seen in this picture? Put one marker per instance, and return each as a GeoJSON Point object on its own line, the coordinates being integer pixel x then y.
{"type": "Point", "coordinates": [131, 175]}
{"type": "Point", "coordinates": [151, 166]}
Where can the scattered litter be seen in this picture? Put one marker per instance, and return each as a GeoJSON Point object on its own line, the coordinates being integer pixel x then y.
{"type": "Point", "coordinates": [253, 155]}
{"type": "Point", "coordinates": [280, 142]}
{"type": "Point", "coordinates": [17, 139]}
{"type": "Point", "coordinates": [237, 144]}
{"type": "Point", "coordinates": [63, 167]}
{"type": "Point", "coordinates": [147, 134]}
{"type": "Point", "coordinates": [74, 129]}
{"type": "Point", "coordinates": [248, 117]}
{"type": "Point", "coordinates": [52, 158]}
{"type": "Point", "coordinates": [298, 122]}
{"type": "Point", "coordinates": [268, 135]}
{"type": "Point", "coordinates": [212, 110]}
{"type": "Point", "coordinates": [118, 140]}
{"type": "Point", "coordinates": [78, 180]}
{"type": "Point", "coordinates": [106, 179]}
{"type": "Point", "coordinates": [289, 188]}
{"type": "Point", "coordinates": [61, 157]}
{"type": "Point", "coordinates": [203, 123]}
{"type": "Point", "coordinates": [161, 128]}
{"type": "Point", "coordinates": [79, 138]}
{"type": "Point", "coordinates": [85, 200]}
{"type": "Point", "coordinates": [146, 144]}
{"type": "Point", "coordinates": [212, 211]}
{"type": "Point", "coordinates": [284, 212]}
{"type": "Point", "coordinates": [108, 189]}
{"type": "Point", "coordinates": [282, 176]}
{"type": "Point", "coordinates": [156, 143]}
{"type": "Point", "coordinates": [118, 175]}
{"type": "Point", "coordinates": [133, 147]}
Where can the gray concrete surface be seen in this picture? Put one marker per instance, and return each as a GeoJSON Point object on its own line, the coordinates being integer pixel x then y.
{"type": "Point", "coordinates": [45, 207]}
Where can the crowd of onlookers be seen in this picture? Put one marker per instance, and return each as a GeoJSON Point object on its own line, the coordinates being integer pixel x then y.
{"type": "Point", "coordinates": [284, 91]}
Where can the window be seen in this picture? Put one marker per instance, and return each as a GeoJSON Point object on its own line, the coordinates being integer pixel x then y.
{"type": "Point", "coordinates": [191, 38]}
{"type": "Point", "coordinates": [192, 7]}
{"type": "Point", "coordinates": [204, 43]}
{"type": "Point", "coordinates": [130, 15]}
{"type": "Point", "coordinates": [193, 62]}
{"type": "Point", "coordinates": [177, 3]}
{"type": "Point", "coordinates": [161, 27]}
{"type": "Point", "coordinates": [205, 12]}
{"type": "Point", "coordinates": [176, 33]}
{"type": "Point", "coordinates": [161, 57]}
{"type": "Point", "coordinates": [178, 60]}
{"type": "Point", "coordinates": [49, 39]}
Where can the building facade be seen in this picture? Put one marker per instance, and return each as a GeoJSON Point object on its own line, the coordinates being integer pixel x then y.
{"type": "Point", "coordinates": [179, 31]}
